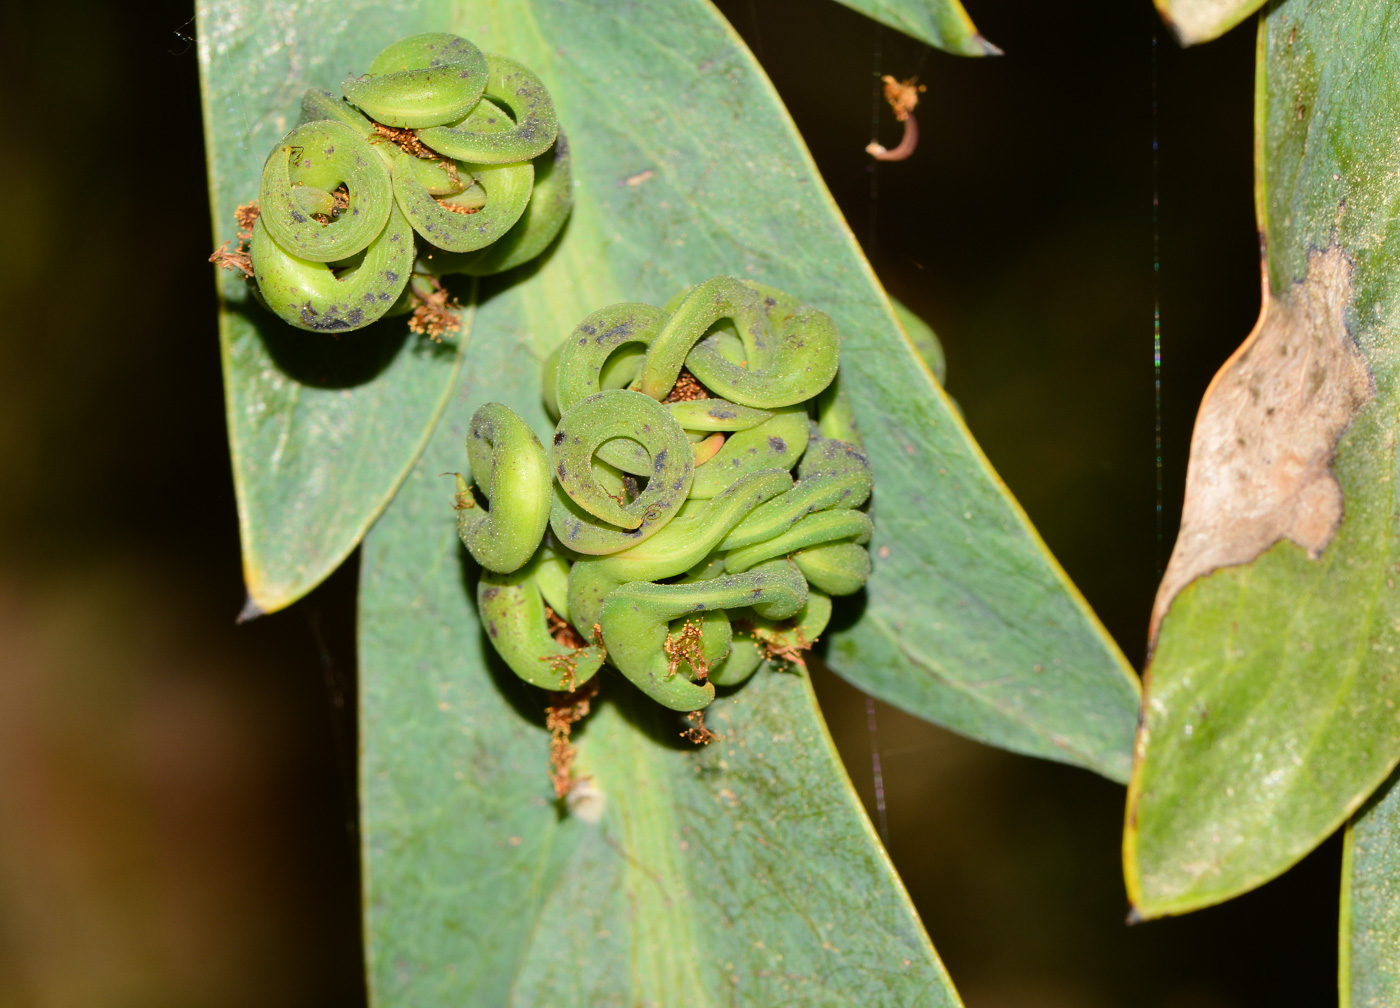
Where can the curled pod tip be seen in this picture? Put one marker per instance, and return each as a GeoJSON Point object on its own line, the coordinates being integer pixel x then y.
{"type": "Point", "coordinates": [838, 524]}
{"type": "Point", "coordinates": [717, 299]}
{"type": "Point", "coordinates": [585, 517]}
{"type": "Point", "coordinates": [609, 336]}
{"type": "Point", "coordinates": [510, 467]}
{"type": "Point", "coordinates": [516, 88]}
{"type": "Point", "coordinates": [321, 155]}
{"type": "Point", "coordinates": [316, 297]}
{"type": "Point", "coordinates": [421, 81]}
{"type": "Point", "coordinates": [511, 609]}
{"type": "Point", "coordinates": [839, 568]}
{"type": "Point", "coordinates": [636, 620]}
{"type": "Point", "coordinates": [551, 201]}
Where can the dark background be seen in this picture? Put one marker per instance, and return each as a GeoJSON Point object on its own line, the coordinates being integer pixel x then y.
{"type": "Point", "coordinates": [177, 793]}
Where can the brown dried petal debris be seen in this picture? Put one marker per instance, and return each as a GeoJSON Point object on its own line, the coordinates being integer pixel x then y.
{"type": "Point", "coordinates": [238, 258]}
{"type": "Point", "coordinates": [564, 711]}
{"type": "Point", "coordinates": [407, 141]}
{"type": "Point", "coordinates": [435, 313]}
{"type": "Point", "coordinates": [687, 389]}
{"type": "Point", "coordinates": [687, 648]}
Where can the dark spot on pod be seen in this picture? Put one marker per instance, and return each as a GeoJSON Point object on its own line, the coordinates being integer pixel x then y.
{"type": "Point", "coordinates": [646, 428]}
{"type": "Point", "coordinates": [659, 461]}
{"type": "Point", "coordinates": [722, 414]}
{"type": "Point", "coordinates": [391, 276]}
{"type": "Point", "coordinates": [465, 74]}
{"type": "Point", "coordinates": [583, 341]}
{"type": "Point", "coordinates": [652, 513]}
{"type": "Point", "coordinates": [577, 439]}
{"type": "Point", "coordinates": [588, 329]}
{"type": "Point", "coordinates": [385, 296]}
{"type": "Point", "coordinates": [489, 593]}
{"type": "Point", "coordinates": [678, 484]}
{"type": "Point", "coordinates": [369, 296]}
{"type": "Point", "coordinates": [558, 437]}
{"type": "Point", "coordinates": [393, 237]}
{"type": "Point", "coordinates": [491, 628]}
{"type": "Point", "coordinates": [356, 317]}
{"type": "Point", "coordinates": [635, 533]}
{"type": "Point", "coordinates": [563, 473]}
{"type": "Point", "coordinates": [331, 150]}
{"type": "Point", "coordinates": [298, 217]}
{"type": "Point", "coordinates": [770, 302]}
{"type": "Point", "coordinates": [777, 444]}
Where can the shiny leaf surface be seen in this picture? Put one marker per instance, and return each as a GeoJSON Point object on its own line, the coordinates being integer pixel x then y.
{"type": "Point", "coordinates": [1274, 691]}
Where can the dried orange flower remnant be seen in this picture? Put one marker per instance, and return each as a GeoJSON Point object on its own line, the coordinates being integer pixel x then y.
{"type": "Point", "coordinates": [564, 711]}
{"type": "Point", "coordinates": [903, 97]}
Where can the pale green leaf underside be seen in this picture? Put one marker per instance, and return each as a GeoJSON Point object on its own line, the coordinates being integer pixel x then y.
{"type": "Point", "coordinates": [1368, 968]}
{"type": "Point", "coordinates": [943, 24]}
{"type": "Point", "coordinates": [1274, 701]}
{"type": "Point", "coordinates": [322, 429]}
{"type": "Point", "coordinates": [1202, 20]}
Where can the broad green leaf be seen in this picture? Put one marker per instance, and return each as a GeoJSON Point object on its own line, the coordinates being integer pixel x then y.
{"type": "Point", "coordinates": [322, 429]}
{"type": "Point", "coordinates": [1368, 960]}
{"type": "Point", "coordinates": [943, 24]}
{"type": "Point", "coordinates": [1272, 706]}
{"type": "Point", "coordinates": [1202, 20]}
{"type": "Point", "coordinates": [477, 890]}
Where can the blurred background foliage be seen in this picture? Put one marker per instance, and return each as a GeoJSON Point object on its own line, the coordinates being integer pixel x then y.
{"type": "Point", "coordinates": [177, 792]}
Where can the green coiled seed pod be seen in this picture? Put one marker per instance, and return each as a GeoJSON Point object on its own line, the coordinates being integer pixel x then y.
{"type": "Point", "coordinates": [512, 612]}
{"type": "Point", "coordinates": [510, 467]}
{"type": "Point", "coordinates": [314, 296]}
{"type": "Point", "coordinates": [841, 524]}
{"type": "Point", "coordinates": [636, 618]}
{"type": "Point", "coordinates": [840, 568]}
{"type": "Point", "coordinates": [422, 80]}
{"type": "Point", "coordinates": [675, 549]}
{"type": "Point", "coordinates": [755, 639]}
{"type": "Point", "coordinates": [777, 443]}
{"type": "Point", "coordinates": [512, 86]}
{"type": "Point", "coordinates": [585, 518]}
{"type": "Point", "coordinates": [321, 155]}
{"type": "Point", "coordinates": [506, 189]}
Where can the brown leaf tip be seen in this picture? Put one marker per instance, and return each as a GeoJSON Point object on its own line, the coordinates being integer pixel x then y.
{"type": "Point", "coordinates": [1267, 430]}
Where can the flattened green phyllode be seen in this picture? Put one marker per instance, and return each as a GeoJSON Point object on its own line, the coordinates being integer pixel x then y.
{"type": "Point", "coordinates": [679, 548]}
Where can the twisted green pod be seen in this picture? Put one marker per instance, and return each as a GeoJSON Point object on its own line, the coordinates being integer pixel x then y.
{"type": "Point", "coordinates": [699, 492]}
{"type": "Point", "coordinates": [674, 550]}
{"type": "Point", "coordinates": [422, 80]}
{"type": "Point", "coordinates": [509, 465]}
{"type": "Point", "coordinates": [512, 611]}
{"type": "Point", "coordinates": [530, 135]}
{"type": "Point", "coordinates": [340, 186]}
{"type": "Point", "coordinates": [755, 639]}
{"type": "Point", "coordinates": [311, 295]}
{"type": "Point", "coordinates": [636, 619]}
{"type": "Point", "coordinates": [585, 517]}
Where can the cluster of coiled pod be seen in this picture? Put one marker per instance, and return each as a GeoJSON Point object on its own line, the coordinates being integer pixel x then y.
{"type": "Point", "coordinates": [439, 160]}
{"type": "Point", "coordinates": [663, 527]}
